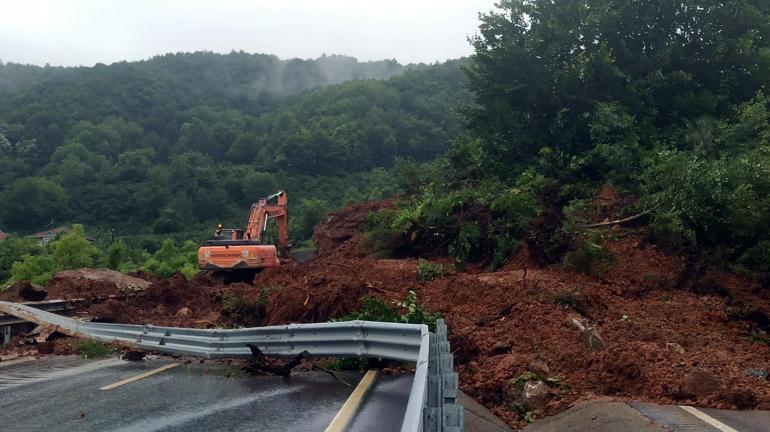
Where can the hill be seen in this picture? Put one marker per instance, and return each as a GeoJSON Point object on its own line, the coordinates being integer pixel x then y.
{"type": "Point", "coordinates": [179, 141]}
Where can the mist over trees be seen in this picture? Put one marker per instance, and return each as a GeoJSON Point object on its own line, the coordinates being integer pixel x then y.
{"type": "Point", "coordinates": [178, 142]}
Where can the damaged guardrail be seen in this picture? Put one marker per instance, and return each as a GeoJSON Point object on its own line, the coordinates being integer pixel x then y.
{"type": "Point", "coordinates": [392, 341]}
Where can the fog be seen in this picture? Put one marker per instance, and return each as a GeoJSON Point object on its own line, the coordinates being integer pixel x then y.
{"type": "Point", "coordinates": [85, 32]}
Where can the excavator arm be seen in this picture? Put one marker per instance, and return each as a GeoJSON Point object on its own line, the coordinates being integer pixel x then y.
{"type": "Point", "coordinates": [261, 212]}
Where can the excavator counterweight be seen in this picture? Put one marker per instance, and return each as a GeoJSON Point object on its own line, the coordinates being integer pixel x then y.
{"type": "Point", "coordinates": [243, 250]}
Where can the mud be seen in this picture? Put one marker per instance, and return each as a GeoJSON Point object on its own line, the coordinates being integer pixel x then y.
{"type": "Point", "coordinates": [657, 335]}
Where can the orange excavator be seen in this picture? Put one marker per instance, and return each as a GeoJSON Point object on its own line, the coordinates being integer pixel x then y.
{"type": "Point", "coordinates": [243, 250]}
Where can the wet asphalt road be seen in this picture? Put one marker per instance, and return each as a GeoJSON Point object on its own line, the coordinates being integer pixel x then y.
{"type": "Point", "coordinates": [62, 394]}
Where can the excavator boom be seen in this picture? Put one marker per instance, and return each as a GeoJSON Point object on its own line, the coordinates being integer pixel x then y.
{"type": "Point", "coordinates": [243, 249]}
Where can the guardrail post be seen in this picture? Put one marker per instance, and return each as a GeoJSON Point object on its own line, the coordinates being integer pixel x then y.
{"type": "Point", "coordinates": [6, 334]}
{"type": "Point", "coordinates": [441, 412]}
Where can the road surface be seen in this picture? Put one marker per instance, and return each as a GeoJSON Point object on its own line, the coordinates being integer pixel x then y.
{"type": "Point", "coordinates": [63, 394]}
{"type": "Point", "coordinates": [646, 417]}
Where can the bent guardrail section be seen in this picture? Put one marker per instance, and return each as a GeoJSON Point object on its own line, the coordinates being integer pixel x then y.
{"type": "Point", "coordinates": [392, 341]}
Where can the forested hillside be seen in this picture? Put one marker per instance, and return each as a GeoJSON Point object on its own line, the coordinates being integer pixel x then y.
{"type": "Point", "coordinates": [178, 142]}
{"type": "Point", "coordinates": [666, 104]}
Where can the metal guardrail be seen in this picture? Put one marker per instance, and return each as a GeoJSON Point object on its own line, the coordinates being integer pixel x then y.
{"type": "Point", "coordinates": [7, 321]}
{"type": "Point", "coordinates": [392, 341]}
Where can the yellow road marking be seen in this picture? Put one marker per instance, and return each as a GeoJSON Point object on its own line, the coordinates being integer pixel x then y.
{"type": "Point", "coordinates": [348, 410]}
{"type": "Point", "coordinates": [140, 376]}
{"type": "Point", "coordinates": [707, 418]}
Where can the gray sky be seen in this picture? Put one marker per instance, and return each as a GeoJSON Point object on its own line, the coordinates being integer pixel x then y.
{"type": "Point", "coordinates": [85, 32]}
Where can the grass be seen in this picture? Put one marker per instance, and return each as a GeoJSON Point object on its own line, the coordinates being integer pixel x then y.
{"type": "Point", "coordinates": [92, 349]}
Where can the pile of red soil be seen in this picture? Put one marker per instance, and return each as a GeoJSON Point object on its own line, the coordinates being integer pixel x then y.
{"type": "Point", "coordinates": [663, 342]}
{"type": "Point", "coordinates": [93, 283]}
{"type": "Point", "coordinates": [175, 301]}
{"type": "Point", "coordinates": [342, 225]}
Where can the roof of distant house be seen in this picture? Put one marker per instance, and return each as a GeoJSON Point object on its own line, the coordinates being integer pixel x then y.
{"type": "Point", "coordinates": [52, 232]}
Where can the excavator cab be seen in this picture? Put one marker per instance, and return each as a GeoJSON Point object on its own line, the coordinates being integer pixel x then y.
{"type": "Point", "coordinates": [242, 250]}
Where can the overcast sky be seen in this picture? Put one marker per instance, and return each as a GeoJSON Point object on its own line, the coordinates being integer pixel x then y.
{"type": "Point", "coordinates": [85, 32]}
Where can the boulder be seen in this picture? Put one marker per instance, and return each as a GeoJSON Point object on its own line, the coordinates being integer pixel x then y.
{"type": "Point", "coordinates": [183, 312]}
{"type": "Point", "coordinates": [698, 383]}
{"type": "Point", "coordinates": [530, 396]}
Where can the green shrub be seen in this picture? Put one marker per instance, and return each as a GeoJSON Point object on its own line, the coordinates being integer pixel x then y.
{"type": "Point", "coordinates": [467, 245]}
{"type": "Point", "coordinates": [590, 257]}
{"type": "Point", "coordinates": [170, 259]}
{"type": "Point", "coordinates": [244, 311]}
{"type": "Point", "coordinates": [406, 311]}
{"type": "Point", "coordinates": [37, 269]}
{"type": "Point", "coordinates": [669, 232]}
{"type": "Point", "coordinates": [381, 237]}
{"type": "Point", "coordinates": [757, 258]}
{"type": "Point", "coordinates": [429, 271]}
{"type": "Point", "coordinates": [90, 349]}
{"type": "Point", "coordinates": [14, 249]}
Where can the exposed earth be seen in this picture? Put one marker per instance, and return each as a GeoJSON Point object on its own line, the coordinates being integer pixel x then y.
{"type": "Point", "coordinates": [529, 340]}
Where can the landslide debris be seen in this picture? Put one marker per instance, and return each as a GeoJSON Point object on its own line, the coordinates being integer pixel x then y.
{"type": "Point", "coordinates": [24, 292]}
{"type": "Point", "coordinates": [632, 333]}
{"type": "Point", "coordinates": [90, 283]}
{"type": "Point", "coordinates": [343, 225]}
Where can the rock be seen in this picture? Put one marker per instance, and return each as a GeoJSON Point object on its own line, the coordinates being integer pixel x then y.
{"type": "Point", "coordinates": [183, 312]}
{"type": "Point", "coordinates": [590, 334]}
{"type": "Point", "coordinates": [742, 399]}
{"type": "Point", "coordinates": [24, 291]}
{"type": "Point", "coordinates": [757, 373]}
{"type": "Point", "coordinates": [697, 384]}
{"type": "Point", "coordinates": [134, 355]}
{"type": "Point", "coordinates": [500, 348]}
{"type": "Point", "coordinates": [674, 347]}
{"type": "Point", "coordinates": [539, 365]}
{"type": "Point", "coordinates": [531, 396]}
{"type": "Point", "coordinates": [593, 339]}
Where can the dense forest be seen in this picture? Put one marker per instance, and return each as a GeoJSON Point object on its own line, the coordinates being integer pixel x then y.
{"type": "Point", "coordinates": [174, 144]}
{"type": "Point", "coordinates": [666, 102]}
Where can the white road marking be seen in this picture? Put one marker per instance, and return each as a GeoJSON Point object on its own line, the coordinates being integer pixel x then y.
{"type": "Point", "coordinates": [708, 419]}
{"type": "Point", "coordinates": [21, 378]}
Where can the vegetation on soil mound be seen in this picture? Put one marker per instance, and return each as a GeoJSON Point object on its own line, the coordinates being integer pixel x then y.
{"type": "Point", "coordinates": [666, 104]}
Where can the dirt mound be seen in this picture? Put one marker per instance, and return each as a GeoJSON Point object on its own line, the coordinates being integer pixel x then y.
{"type": "Point", "coordinates": [175, 301]}
{"type": "Point", "coordinates": [332, 286]}
{"type": "Point", "coordinates": [91, 283]}
{"type": "Point", "coordinates": [24, 292]}
{"type": "Point", "coordinates": [655, 335]}
{"type": "Point", "coordinates": [342, 225]}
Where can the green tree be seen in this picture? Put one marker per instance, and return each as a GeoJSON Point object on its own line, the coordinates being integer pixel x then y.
{"type": "Point", "coordinates": [542, 69]}
{"type": "Point", "coordinates": [74, 251]}
{"type": "Point", "coordinates": [170, 259]}
{"type": "Point", "coordinates": [117, 255]}
{"type": "Point", "coordinates": [37, 269]}
{"type": "Point", "coordinates": [33, 202]}
{"type": "Point", "coordinates": [13, 249]}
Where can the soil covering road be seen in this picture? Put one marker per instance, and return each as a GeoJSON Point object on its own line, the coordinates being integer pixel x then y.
{"type": "Point", "coordinates": [648, 329]}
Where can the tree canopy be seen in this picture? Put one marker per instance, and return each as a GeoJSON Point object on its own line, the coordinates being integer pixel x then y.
{"type": "Point", "coordinates": [178, 142]}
